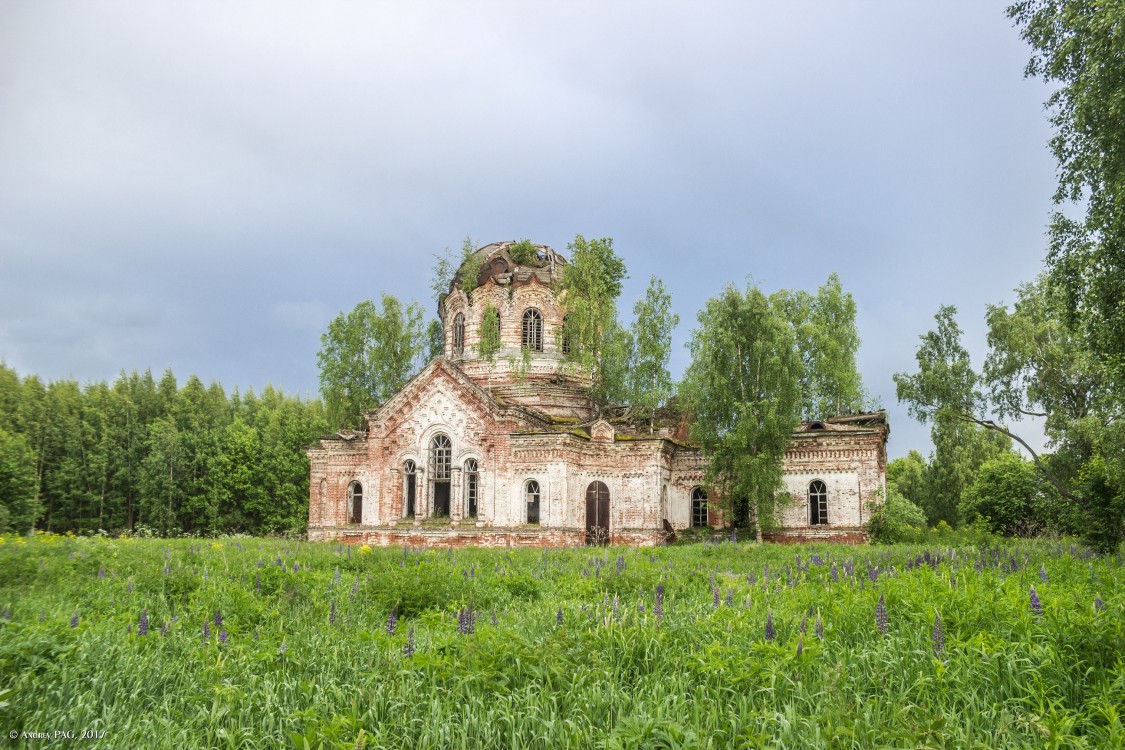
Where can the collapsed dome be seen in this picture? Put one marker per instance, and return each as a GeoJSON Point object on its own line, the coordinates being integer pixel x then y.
{"type": "Point", "coordinates": [511, 263]}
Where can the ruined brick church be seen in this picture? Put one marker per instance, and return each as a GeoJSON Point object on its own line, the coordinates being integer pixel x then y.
{"type": "Point", "coordinates": [507, 449]}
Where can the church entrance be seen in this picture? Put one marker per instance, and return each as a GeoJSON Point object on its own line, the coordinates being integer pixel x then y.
{"type": "Point", "coordinates": [441, 462]}
{"type": "Point", "coordinates": [597, 513]}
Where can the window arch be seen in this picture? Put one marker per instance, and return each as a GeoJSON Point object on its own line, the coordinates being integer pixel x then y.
{"type": "Point", "coordinates": [531, 496]}
{"type": "Point", "coordinates": [533, 330]}
{"type": "Point", "coordinates": [458, 334]}
{"type": "Point", "coordinates": [472, 487]}
{"type": "Point", "coordinates": [409, 488]}
{"type": "Point", "coordinates": [355, 503]}
{"type": "Point", "coordinates": [441, 464]}
{"type": "Point", "coordinates": [565, 335]}
{"type": "Point", "coordinates": [698, 508]}
{"type": "Point", "coordinates": [818, 503]}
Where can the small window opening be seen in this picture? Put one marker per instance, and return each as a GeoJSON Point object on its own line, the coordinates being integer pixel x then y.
{"type": "Point", "coordinates": [458, 335]}
{"type": "Point", "coordinates": [533, 330]}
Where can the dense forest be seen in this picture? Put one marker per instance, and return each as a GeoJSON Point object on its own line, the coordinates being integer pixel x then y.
{"type": "Point", "coordinates": [145, 455]}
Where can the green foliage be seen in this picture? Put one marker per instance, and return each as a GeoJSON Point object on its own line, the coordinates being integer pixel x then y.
{"type": "Point", "coordinates": [827, 339]}
{"type": "Point", "coordinates": [524, 253]}
{"type": "Point", "coordinates": [137, 454]}
{"type": "Point", "coordinates": [742, 393]}
{"type": "Point", "coordinates": [612, 673]}
{"type": "Point", "coordinates": [908, 475]}
{"type": "Point", "coordinates": [1003, 496]}
{"type": "Point", "coordinates": [896, 519]}
{"type": "Point", "coordinates": [590, 286]}
{"type": "Point", "coordinates": [470, 267]}
{"type": "Point", "coordinates": [367, 355]}
{"type": "Point", "coordinates": [19, 502]}
{"type": "Point", "coordinates": [649, 381]}
{"type": "Point", "coordinates": [490, 341]}
{"type": "Point", "coordinates": [1076, 47]}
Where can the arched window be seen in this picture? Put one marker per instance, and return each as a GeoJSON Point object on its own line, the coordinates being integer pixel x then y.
{"type": "Point", "coordinates": [409, 488]}
{"type": "Point", "coordinates": [531, 494]}
{"type": "Point", "coordinates": [698, 508]}
{"type": "Point", "coordinates": [441, 462]}
{"type": "Point", "coordinates": [472, 487]}
{"type": "Point", "coordinates": [355, 503]}
{"type": "Point", "coordinates": [533, 330]}
{"type": "Point", "coordinates": [565, 336]}
{"type": "Point", "coordinates": [458, 335]}
{"type": "Point", "coordinates": [818, 503]}
{"type": "Point", "coordinates": [597, 513]}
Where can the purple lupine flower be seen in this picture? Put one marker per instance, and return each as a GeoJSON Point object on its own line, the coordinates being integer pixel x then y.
{"type": "Point", "coordinates": [1042, 574]}
{"type": "Point", "coordinates": [129, 586]}
{"type": "Point", "coordinates": [730, 598]}
{"type": "Point", "coordinates": [715, 597]}
{"type": "Point", "coordinates": [938, 635]}
{"type": "Point", "coordinates": [881, 615]}
{"type": "Point", "coordinates": [819, 627]}
{"type": "Point", "coordinates": [1099, 605]}
{"type": "Point", "coordinates": [804, 625]}
{"type": "Point", "coordinates": [658, 606]}
{"type": "Point", "coordinates": [770, 632]}
{"type": "Point", "coordinates": [74, 619]}
{"type": "Point", "coordinates": [101, 572]}
{"type": "Point", "coordinates": [218, 618]}
{"type": "Point", "coordinates": [559, 617]}
{"type": "Point", "coordinates": [297, 567]}
{"type": "Point", "coordinates": [800, 644]}
{"type": "Point", "coordinates": [282, 649]}
{"type": "Point", "coordinates": [392, 622]}
{"type": "Point", "coordinates": [712, 579]}
{"type": "Point", "coordinates": [206, 630]}
{"type": "Point", "coordinates": [223, 636]}
{"type": "Point", "coordinates": [332, 614]}
{"type": "Point", "coordinates": [493, 620]}
{"type": "Point", "coordinates": [408, 648]}
{"type": "Point", "coordinates": [466, 621]}
{"type": "Point", "coordinates": [1036, 605]}
{"type": "Point", "coordinates": [620, 564]}
{"type": "Point", "coordinates": [751, 578]}
{"type": "Point", "coordinates": [142, 624]}
{"type": "Point", "coordinates": [164, 628]}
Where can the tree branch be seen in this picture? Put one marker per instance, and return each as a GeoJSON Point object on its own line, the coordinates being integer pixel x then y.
{"type": "Point", "coordinates": [988, 424]}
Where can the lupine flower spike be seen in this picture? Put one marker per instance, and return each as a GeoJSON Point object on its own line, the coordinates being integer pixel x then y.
{"type": "Point", "coordinates": [392, 622]}
{"type": "Point", "coordinates": [142, 625]}
{"type": "Point", "coordinates": [408, 649]}
{"type": "Point", "coordinates": [770, 632]}
{"type": "Point", "coordinates": [881, 615]}
{"type": "Point", "coordinates": [1036, 605]}
{"type": "Point", "coordinates": [938, 635]}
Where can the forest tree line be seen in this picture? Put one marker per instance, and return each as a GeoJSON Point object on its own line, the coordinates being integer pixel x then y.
{"type": "Point", "coordinates": [141, 454]}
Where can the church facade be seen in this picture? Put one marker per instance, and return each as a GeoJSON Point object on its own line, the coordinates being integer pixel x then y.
{"type": "Point", "coordinates": [506, 450]}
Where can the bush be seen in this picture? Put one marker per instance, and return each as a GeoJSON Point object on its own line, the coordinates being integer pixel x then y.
{"type": "Point", "coordinates": [896, 519]}
{"type": "Point", "coordinates": [1003, 494]}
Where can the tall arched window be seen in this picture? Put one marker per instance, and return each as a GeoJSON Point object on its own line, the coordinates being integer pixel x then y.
{"type": "Point", "coordinates": [533, 330]}
{"type": "Point", "coordinates": [472, 487]}
{"type": "Point", "coordinates": [818, 503]}
{"type": "Point", "coordinates": [565, 336]}
{"type": "Point", "coordinates": [441, 461]}
{"type": "Point", "coordinates": [458, 335]}
{"type": "Point", "coordinates": [698, 508]}
{"type": "Point", "coordinates": [531, 494]}
{"type": "Point", "coordinates": [355, 503]}
{"type": "Point", "coordinates": [409, 488]}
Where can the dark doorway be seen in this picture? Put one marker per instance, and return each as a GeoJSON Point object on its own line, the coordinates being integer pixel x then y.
{"type": "Point", "coordinates": [441, 498]}
{"type": "Point", "coordinates": [597, 513]}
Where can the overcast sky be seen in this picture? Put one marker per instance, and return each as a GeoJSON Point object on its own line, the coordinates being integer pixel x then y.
{"type": "Point", "coordinates": [204, 185]}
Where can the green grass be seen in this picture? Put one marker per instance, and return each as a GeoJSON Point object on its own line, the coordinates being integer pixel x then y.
{"type": "Point", "coordinates": [612, 674]}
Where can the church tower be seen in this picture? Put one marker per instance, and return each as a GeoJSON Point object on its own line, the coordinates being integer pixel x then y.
{"type": "Point", "coordinates": [514, 286]}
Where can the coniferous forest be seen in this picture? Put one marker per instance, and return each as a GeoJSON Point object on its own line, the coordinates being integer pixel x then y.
{"type": "Point", "coordinates": [146, 455]}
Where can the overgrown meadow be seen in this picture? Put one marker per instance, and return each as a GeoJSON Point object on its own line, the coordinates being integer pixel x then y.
{"type": "Point", "coordinates": [268, 643]}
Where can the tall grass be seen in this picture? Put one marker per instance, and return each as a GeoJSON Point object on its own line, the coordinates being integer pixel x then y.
{"type": "Point", "coordinates": [559, 648]}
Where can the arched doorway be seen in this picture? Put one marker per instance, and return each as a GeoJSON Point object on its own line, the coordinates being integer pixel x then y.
{"type": "Point", "coordinates": [441, 463]}
{"type": "Point", "coordinates": [597, 513]}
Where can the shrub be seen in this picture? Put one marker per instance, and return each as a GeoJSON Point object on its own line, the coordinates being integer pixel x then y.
{"type": "Point", "coordinates": [896, 519]}
{"type": "Point", "coordinates": [1003, 493]}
